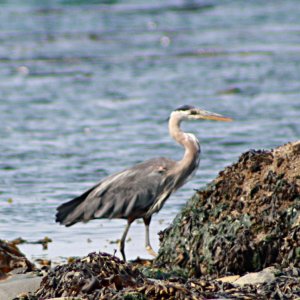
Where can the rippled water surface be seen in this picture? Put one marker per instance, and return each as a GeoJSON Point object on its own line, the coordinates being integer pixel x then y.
{"type": "Point", "coordinates": [86, 88]}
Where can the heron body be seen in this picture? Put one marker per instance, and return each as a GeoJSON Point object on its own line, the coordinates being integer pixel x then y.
{"type": "Point", "coordinates": [142, 190]}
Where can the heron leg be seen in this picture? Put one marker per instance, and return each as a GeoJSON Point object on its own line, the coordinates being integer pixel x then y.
{"type": "Point", "coordinates": [122, 241]}
{"type": "Point", "coordinates": [147, 240]}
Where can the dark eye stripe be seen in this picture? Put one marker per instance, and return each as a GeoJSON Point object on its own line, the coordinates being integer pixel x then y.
{"type": "Point", "coordinates": [184, 107]}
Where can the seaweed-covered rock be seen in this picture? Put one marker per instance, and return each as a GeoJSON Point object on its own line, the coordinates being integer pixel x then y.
{"type": "Point", "coordinates": [248, 218]}
{"type": "Point", "coordinates": [94, 275]}
{"type": "Point", "coordinates": [11, 258]}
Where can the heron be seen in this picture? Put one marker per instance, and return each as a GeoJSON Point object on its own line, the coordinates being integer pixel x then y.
{"type": "Point", "coordinates": [142, 190]}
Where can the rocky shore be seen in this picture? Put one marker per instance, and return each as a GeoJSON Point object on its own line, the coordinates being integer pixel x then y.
{"type": "Point", "coordinates": [102, 276]}
{"type": "Point", "coordinates": [239, 238]}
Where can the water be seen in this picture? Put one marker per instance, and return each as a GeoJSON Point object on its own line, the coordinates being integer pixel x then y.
{"type": "Point", "coordinates": [86, 89]}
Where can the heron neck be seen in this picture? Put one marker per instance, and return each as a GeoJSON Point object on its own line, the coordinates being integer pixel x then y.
{"type": "Point", "coordinates": [187, 140]}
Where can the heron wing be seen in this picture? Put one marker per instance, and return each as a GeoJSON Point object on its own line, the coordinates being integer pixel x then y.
{"type": "Point", "coordinates": [127, 194]}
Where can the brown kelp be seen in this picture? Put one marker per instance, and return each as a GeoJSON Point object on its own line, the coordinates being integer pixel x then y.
{"type": "Point", "coordinates": [11, 258]}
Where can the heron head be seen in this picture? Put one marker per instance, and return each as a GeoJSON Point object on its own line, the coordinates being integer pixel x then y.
{"type": "Point", "coordinates": [188, 112]}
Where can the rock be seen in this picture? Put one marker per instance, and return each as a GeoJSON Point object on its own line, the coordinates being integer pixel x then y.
{"type": "Point", "coordinates": [247, 219]}
{"type": "Point", "coordinates": [11, 258]}
{"type": "Point", "coordinates": [265, 276]}
{"type": "Point", "coordinates": [230, 279]}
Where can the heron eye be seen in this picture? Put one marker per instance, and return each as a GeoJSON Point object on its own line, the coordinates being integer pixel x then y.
{"type": "Point", "coordinates": [193, 112]}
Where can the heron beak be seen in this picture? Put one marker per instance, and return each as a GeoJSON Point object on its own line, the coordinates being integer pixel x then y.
{"type": "Point", "coordinates": [207, 115]}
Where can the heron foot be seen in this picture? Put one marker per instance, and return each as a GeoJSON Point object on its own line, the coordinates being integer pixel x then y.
{"type": "Point", "coordinates": [151, 251]}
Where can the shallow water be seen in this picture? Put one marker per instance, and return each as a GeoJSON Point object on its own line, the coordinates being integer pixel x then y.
{"type": "Point", "coordinates": [86, 89]}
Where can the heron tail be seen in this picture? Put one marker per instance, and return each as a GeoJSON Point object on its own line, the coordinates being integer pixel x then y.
{"type": "Point", "coordinates": [71, 212]}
